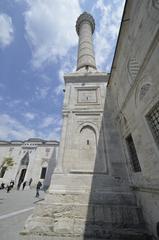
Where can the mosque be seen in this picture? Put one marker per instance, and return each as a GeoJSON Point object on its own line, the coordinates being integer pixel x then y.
{"type": "Point", "coordinates": [105, 185]}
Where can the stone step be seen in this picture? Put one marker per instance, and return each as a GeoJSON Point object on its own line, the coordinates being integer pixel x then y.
{"type": "Point", "coordinates": [128, 215]}
{"type": "Point", "coordinates": [36, 237]}
{"type": "Point", "coordinates": [120, 233]}
{"type": "Point", "coordinates": [99, 197]}
{"type": "Point", "coordinates": [94, 234]}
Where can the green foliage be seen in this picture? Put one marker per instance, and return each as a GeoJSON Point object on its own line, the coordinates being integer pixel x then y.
{"type": "Point", "coordinates": [7, 162]}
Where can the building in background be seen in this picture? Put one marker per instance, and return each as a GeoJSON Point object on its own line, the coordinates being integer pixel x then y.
{"type": "Point", "coordinates": [31, 159]}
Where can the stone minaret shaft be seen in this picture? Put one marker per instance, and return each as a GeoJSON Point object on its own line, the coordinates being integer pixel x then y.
{"type": "Point", "coordinates": [85, 27]}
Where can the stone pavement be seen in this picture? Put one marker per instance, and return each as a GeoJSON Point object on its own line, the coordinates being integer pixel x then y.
{"type": "Point", "coordinates": [15, 207]}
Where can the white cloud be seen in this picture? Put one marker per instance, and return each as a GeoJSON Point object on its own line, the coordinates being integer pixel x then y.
{"type": "Point", "coordinates": [51, 127]}
{"type": "Point", "coordinates": [47, 122]}
{"type": "Point", "coordinates": [42, 92]}
{"type": "Point", "coordinates": [29, 115]}
{"type": "Point", "coordinates": [50, 28]}
{"type": "Point", "coordinates": [60, 87]}
{"type": "Point", "coordinates": [13, 103]}
{"type": "Point", "coordinates": [106, 35]}
{"type": "Point", "coordinates": [6, 30]}
{"type": "Point", "coordinates": [67, 66]}
{"type": "Point", "coordinates": [51, 120]}
{"type": "Point", "coordinates": [10, 128]}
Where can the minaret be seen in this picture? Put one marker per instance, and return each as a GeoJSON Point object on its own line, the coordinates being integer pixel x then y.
{"type": "Point", "coordinates": [88, 197]}
{"type": "Point", "coordinates": [82, 152]}
{"type": "Point", "coordinates": [85, 27]}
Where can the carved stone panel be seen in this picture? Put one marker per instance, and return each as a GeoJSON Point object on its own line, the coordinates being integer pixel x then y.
{"type": "Point", "coordinates": [144, 89]}
{"type": "Point", "coordinates": [87, 96]}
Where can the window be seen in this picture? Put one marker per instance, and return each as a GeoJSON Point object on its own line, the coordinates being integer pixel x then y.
{"type": "Point", "coordinates": [87, 142]}
{"type": "Point", "coordinates": [133, 155]}
{"type": "Point", "coordinates": [43, 173]}
{"type": "Point", "coordinates": [3, 170]}
{"type": "Point", "coordinates": [153, 120]}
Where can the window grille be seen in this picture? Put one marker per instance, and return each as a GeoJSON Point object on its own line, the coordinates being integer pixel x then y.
{"type": "Point", "coordinates": [153, 120]}
{"type": "Point", "coordinates": [132, 153]}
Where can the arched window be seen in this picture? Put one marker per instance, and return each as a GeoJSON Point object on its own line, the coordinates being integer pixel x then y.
{"type": "Point", "coordinates": [87, 142]}
{"type": "Point", "coordinates": [43, 170]}
{"type": "Point", "coordinates": [2, 172]}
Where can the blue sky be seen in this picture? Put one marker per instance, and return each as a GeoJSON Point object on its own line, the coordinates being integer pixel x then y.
{"type": "Point", "coordinates": [38, 44]}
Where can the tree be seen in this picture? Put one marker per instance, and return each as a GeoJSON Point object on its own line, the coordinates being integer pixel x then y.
{"type": "Point", "coordinates": [7, 162]}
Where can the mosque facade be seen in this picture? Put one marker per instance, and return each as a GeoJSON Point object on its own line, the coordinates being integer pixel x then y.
{"type": "Point", "coordinates": [33, 159]}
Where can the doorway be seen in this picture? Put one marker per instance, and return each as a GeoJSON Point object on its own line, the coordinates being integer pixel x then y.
{"type": "Point", "coordinates": [22, 176]}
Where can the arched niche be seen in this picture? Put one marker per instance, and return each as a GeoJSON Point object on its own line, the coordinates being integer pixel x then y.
{"type": "Point", "coordinates": [44, 167]}
{"type": "Point", "coordinates": [142, 90]}
{"type": "Point", "coordinates": [87, 143]}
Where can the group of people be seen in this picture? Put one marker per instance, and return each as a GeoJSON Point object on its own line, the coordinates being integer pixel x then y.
{"type": "Point", "coordinates": [8, 187]}
{"type": "Point", "coordinates": [11, 185]}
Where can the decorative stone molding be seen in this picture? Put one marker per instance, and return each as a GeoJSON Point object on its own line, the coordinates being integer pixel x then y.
{"type": "Point", "coordinates": [133, 68]}
{"type": "Point", "coordinates": [92, 125]}
{"type": "Point", "coordinates": [144, 89]}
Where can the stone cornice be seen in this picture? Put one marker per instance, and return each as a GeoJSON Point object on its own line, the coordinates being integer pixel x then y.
{"type": "Point", "coordinates": [145, 189]}
{"type": "Point", "coordinates": [86, 77]}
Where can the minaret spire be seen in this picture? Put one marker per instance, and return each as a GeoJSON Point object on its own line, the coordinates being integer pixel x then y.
{"type": "Point", "coordinates": [85, 27]}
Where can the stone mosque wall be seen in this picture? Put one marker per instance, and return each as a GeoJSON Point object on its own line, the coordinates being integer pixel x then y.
{"type": "Point", "coordinates": [134, 89]}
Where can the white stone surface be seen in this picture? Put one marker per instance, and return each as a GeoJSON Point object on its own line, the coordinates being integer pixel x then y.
{"type": "Point", "coordinates": [135, 95]}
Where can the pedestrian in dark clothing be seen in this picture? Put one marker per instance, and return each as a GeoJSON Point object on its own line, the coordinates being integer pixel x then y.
{"type": "Point", "coordinates": [8, 188]}
{"type": "Point", "coordinates": [11, 183]}
{"type": "Point", "coordinates": [38, 186]}
{"type": "Point", "coordinates": [2, 186]}
{"type": "Point", "coordinates": [30, 181]}
{"type": "Point", "coordinates": [24, 184]}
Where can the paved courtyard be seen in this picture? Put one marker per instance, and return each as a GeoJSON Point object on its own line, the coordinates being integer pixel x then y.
{"type": "Point", "coordinates": [15, 207]}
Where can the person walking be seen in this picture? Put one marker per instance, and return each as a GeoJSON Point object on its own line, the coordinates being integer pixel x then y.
{"type": "Point", "coordinates": [30, 182]}
{"type": "Point", "coordinates": [8, 188]}
{"type": "Point", "coordinates": [12, 183]}
{"type": "Point", "coordinates": [2, 185]}
{"type": "Point", "coordinates": [38, 186]}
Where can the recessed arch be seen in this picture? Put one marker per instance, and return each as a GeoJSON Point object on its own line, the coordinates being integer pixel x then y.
{"type": "Point", "coordinates": [88, 127]}
{"type": "Point", "coordinates": [142, 89]}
